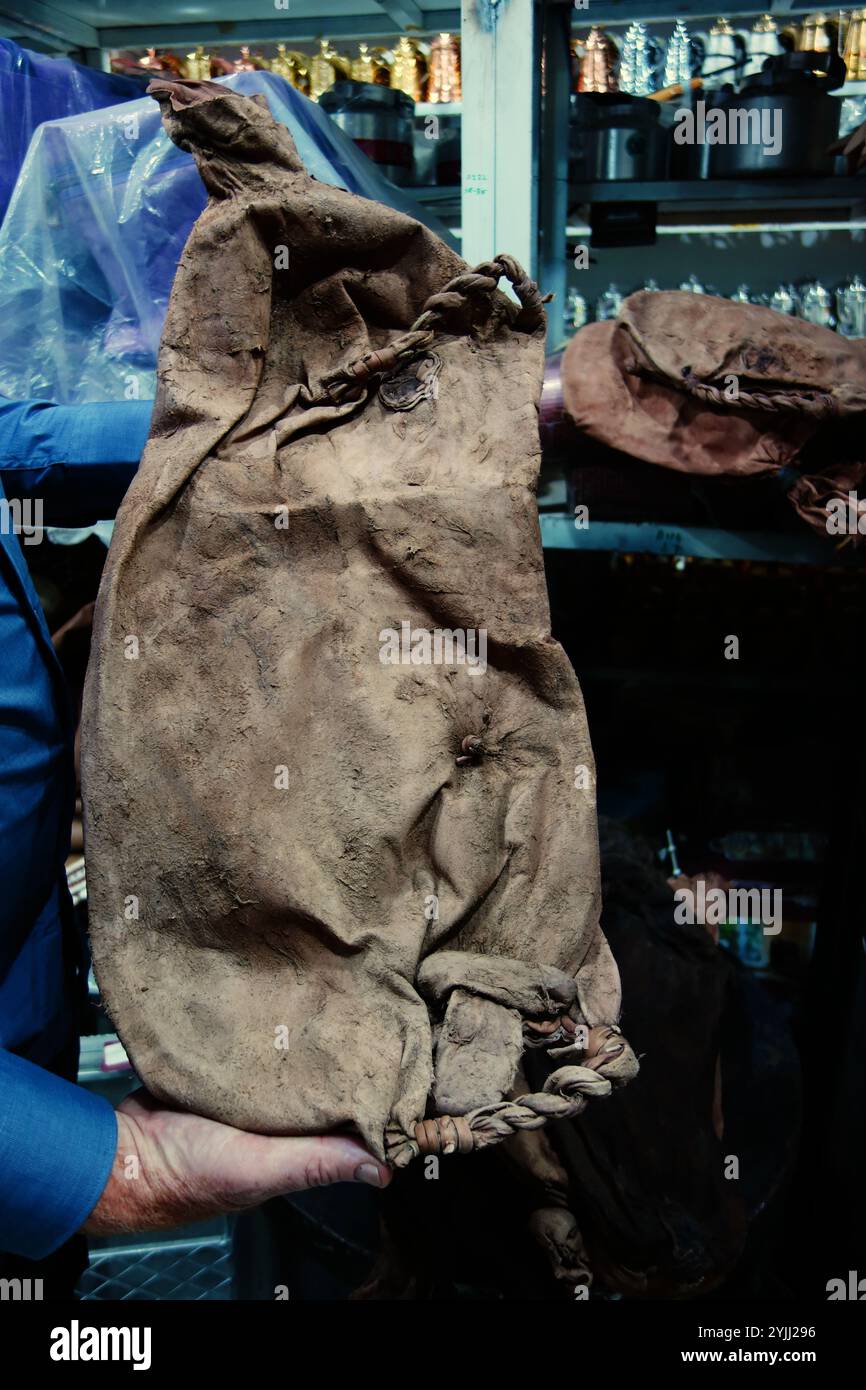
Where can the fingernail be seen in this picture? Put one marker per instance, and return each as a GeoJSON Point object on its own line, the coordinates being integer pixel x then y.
{"type": "Point", "coordinates": [369, 1173]}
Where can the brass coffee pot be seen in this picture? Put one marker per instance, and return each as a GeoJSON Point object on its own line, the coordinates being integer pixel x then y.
{"type": "Point", "coordinates": [293, 66]}
{"type": "Point", "coordinates": [326, 67]}
{"type": "Point", "coordinates": [371, 65]}
{"type": "Point", "coordinates": [597, 64]}
{"type": "Point", "coordinates": [197, 65]}
{"type": "Point", "coordinates": [813, 36]}
{"type": "Point", "coordinates": [409, 69]}
{"type": "Point", "coordinates": [444, 83]}
{"type": "Point", "coordinates": [855, 45]}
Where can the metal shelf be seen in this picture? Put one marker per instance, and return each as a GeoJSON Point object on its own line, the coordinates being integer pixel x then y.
{"type": "Point", "coordinates": [113, 24]}
{"type": "Point", "coordinates": [645, 11]}
{"type": "Point", "coordinates": [579, 231]}
{"type": "Point", "coordinates": [558, 532]}
{"type": "Point", "coordinates": [685, 208]}
{"type": "Point", "coordinates": [438, 108]}
{"type": "Point", "coordinates": [443, 201]}
{"type": "Point", "coordinates": [435, 194]}
{"type": "Point", "coordinates": [749, 205]}
{"type": "Point", "coordinates": [685, 193]}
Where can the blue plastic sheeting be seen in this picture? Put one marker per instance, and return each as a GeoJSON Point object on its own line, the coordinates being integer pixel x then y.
{"type": "Point", "coordinates": [33, 89]}
{"type": "Point", "coordinates": [98, 219]}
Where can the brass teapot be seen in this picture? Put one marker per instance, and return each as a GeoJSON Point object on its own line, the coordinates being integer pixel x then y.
{"type": "Point", "coordinates": [294, 67]}
{"type": "Point", "coordinates": [371, 65]}
{"type": "Point", "coordinates": [444, 83]}
{"type": "Point", "coordinates": [409, 69]}
{"type": "Point", "coordinates": [855, 46]}
{"type": "Point", "coordinates": [326, 67]}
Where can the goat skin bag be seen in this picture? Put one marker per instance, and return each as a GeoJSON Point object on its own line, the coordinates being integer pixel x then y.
{"type": "Point", "coordinates": [341, 838]}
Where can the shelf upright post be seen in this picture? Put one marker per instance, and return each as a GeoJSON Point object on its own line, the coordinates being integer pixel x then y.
{"type": "Point", "coordinates": [553, 167]}
{"type": "Point", "coordinates": [499, 132]}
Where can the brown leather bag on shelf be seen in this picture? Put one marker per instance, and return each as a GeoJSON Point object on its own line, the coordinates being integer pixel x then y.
{"type": "Point", "coordinates": [340, 816]}
{"type": "Point", "coordinates": [703, 385]}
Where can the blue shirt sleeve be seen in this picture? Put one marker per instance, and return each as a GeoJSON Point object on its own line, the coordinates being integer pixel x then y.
{"type": "Point", "coordinates": [57, 1147]}
{"type": "Point", "coordinates": [57, 1141]}
{"type": "Point", "coordinates": [78, 459]}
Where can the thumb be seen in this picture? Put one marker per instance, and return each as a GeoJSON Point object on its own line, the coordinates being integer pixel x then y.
{"type": "Point", "coordinates": [292, 1165]}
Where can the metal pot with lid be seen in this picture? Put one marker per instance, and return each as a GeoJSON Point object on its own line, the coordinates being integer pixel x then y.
{"type": "Point", "coordinates": [380, 120]}
{"type": "Point", "coordinates": [785, 117]}
{"type": "Point", "coordinates": [616, 136]}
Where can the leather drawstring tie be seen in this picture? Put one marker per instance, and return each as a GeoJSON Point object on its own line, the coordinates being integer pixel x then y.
{"type": "Point", "coordinates": [565, 1095]}
{"type": "Point", "coordinates": [804, 400]}
{"type": "Point", "coordinates": [453, 296]}
{"type": "Point", "coordinates": [446, 1134]}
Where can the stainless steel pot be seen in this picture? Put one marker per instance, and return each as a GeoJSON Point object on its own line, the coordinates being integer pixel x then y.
{"type": "Point", "coordinates": [380, 120]}
{"type": "Point", "coordinates": [807, 123]}
{"type": "Point", "coordinates": [615, 136]}
{"type": "Point", "coordinates": [779, 125]}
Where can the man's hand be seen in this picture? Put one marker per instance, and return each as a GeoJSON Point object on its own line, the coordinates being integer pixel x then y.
{"type": "Point", "coordinates": [171, 1167]}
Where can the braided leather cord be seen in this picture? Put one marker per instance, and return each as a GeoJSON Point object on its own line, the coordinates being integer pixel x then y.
{"type": "Point", "coordinates": [816, 403]}
{"type": "Point", "coordinates": [452, 297]}
{"type": "Point", "coordinates": [566, 1094]}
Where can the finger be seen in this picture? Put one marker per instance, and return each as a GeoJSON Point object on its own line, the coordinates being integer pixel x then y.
{"type": "Point", "coordinates": [293, 1165]}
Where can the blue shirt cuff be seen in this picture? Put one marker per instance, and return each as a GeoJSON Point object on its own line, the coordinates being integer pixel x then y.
{"type": "Point", "coordinates": [39, 434]}
{"type": "Point", "coordinates": [57, 1148]}
{"type": "Point", "coordinates": [78, 460]}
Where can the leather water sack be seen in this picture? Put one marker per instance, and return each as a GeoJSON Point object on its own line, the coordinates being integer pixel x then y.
{"type": "Point", "coordinates": [341, 835]}
{"type": "Point", "coordinates": [703, 385]}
